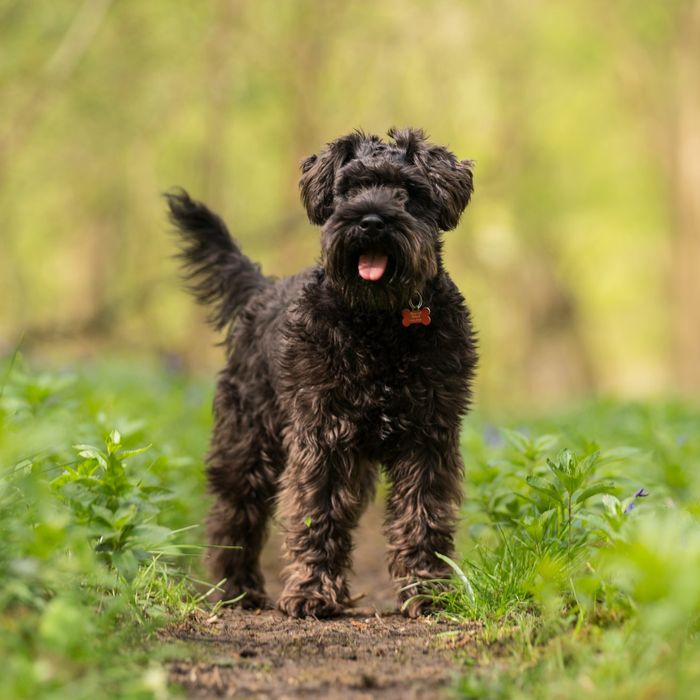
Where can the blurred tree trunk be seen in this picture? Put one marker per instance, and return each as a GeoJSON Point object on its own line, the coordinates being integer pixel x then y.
{"type": "Point", "coordinates": [57, 71]}
{"type": "Point", "coordinates": [306, 48]}
{"type": "Point", "coordinates": [672, 122]}
{"type": "Point", "coordinates": [685, 201]}
{"type": "Point", "coordinates": [552, 354]}
{"type": "Point", "coordinates": [41, 93]}
{"type": "Point", "coordinates": [220, 78]}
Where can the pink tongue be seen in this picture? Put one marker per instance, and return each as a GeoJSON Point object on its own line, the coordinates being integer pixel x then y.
{"type": "Point", "coordinates": [371, 266]}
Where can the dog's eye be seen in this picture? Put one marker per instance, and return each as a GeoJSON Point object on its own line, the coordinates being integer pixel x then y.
{"type": "Point", "coordinates": [418, 193]}
{"type": "Point", "coordinates": [344, 189]}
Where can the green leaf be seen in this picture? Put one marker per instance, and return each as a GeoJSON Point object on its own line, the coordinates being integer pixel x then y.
{"type": "Point", "coordinates": [125, 563]}
{"type": "Point", "coordinates": [460, 575]}
{"type": "Point", "coordinates": [618, 453]}
{"type": "Point", "coordinates": [544, 487]}
{"type": "Point", "coordinates": [90, 452]}
{"type": "Point", "coordinates": [611, 503]}
{"type": "Point", "coordinates": [545, 443]}
{"type": "Point", "coordinates": [518, 440]}
{"type": "Point", "coordinates": [131, 453]}
{"type": "Point", "coordinates": [607, 487]}
{"type": "Point", "coordinates": [105, 513]}
{"type": "Point", "coordinates": [565, 470]}
{"type": "Point", "coordinates": [151, 535]}
{"type": "Point", "coordinates": [588, 463]}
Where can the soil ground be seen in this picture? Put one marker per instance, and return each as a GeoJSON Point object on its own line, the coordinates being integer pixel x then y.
{"type": "Point", "coordinates": [370, 652]}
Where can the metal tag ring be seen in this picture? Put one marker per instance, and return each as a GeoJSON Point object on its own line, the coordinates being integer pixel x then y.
{"type": "Point", "coordinates": [415, 305]}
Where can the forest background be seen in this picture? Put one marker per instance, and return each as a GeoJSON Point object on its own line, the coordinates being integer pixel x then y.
{"type": "Point", "coordinates": [580, 252]}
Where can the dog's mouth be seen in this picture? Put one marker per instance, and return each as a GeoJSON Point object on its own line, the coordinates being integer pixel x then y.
{"type": "Point", "coordinates": [371, 265]}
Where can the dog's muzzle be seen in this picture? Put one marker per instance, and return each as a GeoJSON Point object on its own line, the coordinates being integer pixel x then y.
{"type": "Point", "coordinates": [371, 265]}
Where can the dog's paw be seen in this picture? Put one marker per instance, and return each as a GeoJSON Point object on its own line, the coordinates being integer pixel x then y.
{"type": "Point", "coordinates": [310, 592]}
{"type": "Point", "coordinates": [419, 606]}
{"type": "Point", "coordinates": [247, 597]}
{"type": "Point", "coordinates": [255, 600]}
{"type": "Point", "coordinates": [421, 597]}
{"type": "Point", "coordinates": [299, 606]}
{"type": "Point", "coordinates": [301, 603]}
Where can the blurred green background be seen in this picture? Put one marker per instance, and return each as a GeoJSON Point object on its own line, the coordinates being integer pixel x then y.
{"type": "Point", "coordinates": [580, 252]}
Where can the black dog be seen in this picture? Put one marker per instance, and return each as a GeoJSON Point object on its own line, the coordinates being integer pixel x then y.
{"type": "Point", "coordinates": [363, 360]}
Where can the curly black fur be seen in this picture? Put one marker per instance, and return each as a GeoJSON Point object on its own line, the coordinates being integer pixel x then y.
{"type": "Point", "coordinates": [218, 273]}
{"type": "Point", "coordinates": [323, 383]}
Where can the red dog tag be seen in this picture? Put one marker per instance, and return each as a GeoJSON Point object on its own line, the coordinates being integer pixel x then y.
{"type": "Point", "coordinates": [410, 317]}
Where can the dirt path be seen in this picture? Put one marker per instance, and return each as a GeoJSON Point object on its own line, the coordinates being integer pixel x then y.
{"type": "Point", "coordinates": [371, 652]}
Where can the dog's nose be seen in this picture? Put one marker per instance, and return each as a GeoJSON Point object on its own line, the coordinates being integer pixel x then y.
{"type": "Point", "coordinates": [371, 222]}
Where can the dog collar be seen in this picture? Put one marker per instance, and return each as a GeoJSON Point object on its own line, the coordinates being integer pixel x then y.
{"type": "Point", "coordinates": [416, 313]}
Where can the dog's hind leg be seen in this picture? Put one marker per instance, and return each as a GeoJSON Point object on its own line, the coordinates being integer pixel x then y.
{"type": "Point", "coordinates": [243, 466]}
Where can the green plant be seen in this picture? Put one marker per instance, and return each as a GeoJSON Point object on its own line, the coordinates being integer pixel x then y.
{"type": "Point", "coordinates": [90, 560]}
{"type": "Point", "coordinates": [583, 581]}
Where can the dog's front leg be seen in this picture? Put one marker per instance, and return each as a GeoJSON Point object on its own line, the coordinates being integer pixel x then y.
{"type": "Point", "coordinates": [426, 490]}
{"type": "Point", "coordinates": [324, 492]}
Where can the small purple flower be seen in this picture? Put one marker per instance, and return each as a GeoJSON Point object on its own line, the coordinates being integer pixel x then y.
{"type": "Point", "coordinates": [639, 494]}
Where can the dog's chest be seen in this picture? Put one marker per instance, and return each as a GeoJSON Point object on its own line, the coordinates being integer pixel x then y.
{"type": "Point", "coordinates": [383, 382]}
{"type": "Point", "coordinates": [367, 382]}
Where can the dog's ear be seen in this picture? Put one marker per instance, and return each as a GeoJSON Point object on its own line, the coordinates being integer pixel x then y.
{"type": "Point", "coordinates": [452, 181]}
{"type": "Point", "coordinates": [318, 176]}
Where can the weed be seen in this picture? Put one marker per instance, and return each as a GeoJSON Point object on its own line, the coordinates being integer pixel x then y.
{"type": "Point", "coordinates": [91, 562]}
{"type": "Point", "coordinates": [580, 558]}
{"type": "Point", "coordinates": [590, 582]}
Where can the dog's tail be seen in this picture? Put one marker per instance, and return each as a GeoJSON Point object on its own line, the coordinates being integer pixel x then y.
{"type": "Point", "coordinates": [217, 272]}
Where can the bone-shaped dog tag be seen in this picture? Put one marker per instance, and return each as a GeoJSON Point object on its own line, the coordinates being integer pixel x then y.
{"type": "Point", "coordinates": [417, 313]}
{"type": "Point", "coordinates": [410, 317]}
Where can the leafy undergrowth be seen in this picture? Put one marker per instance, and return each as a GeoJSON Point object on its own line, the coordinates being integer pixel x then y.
{"type": "Point", "coordinates": [96, 547]}
{"type": "Point", "coordinates": [580, 540]}
{"type": "Point", "coordinates": [582, 545]}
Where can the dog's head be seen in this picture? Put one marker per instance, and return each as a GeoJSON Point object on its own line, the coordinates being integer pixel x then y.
{"type": "Point", "coordinates": [382, 207]}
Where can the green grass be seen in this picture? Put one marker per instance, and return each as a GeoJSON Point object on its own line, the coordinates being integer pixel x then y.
{"type": "Point", "coordinates": [577, 586]}
{"type": "Point", "coordinates": [581, 555]}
